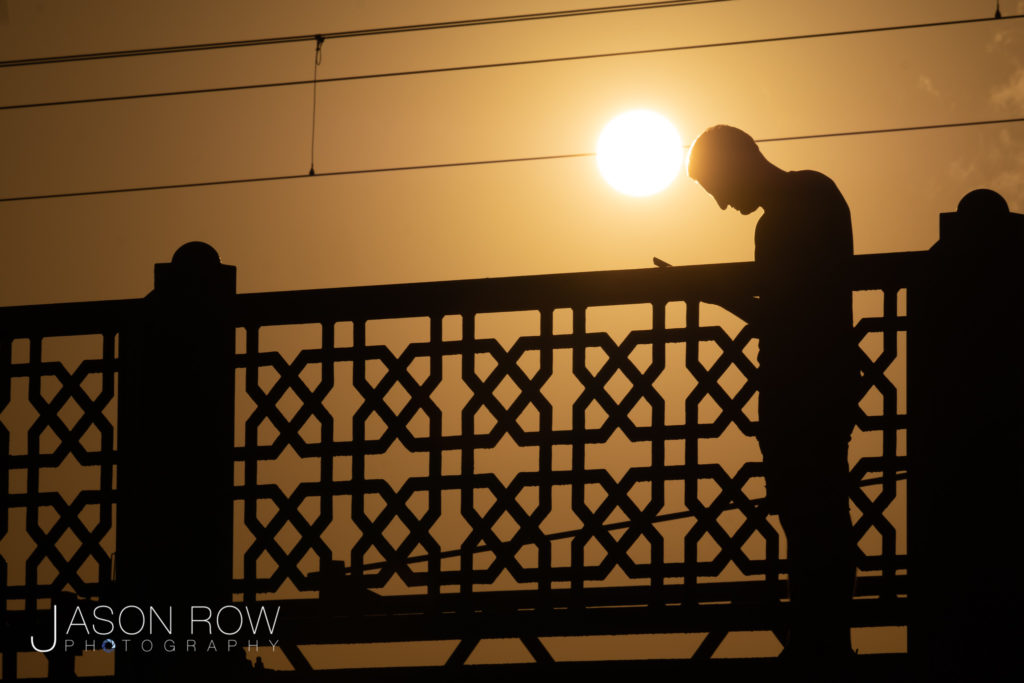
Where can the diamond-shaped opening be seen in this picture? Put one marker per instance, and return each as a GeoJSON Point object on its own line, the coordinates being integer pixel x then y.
{"type": "Point", "coordinates": [89, 570]}
{"type": "Point", "coordinates": [374, 427]}
{"type": "Point", "coordinates": [266, 378]}
{"type": "Point", "coordinates": [708, 410]}
{"type": "Point", "coordinates": [484, 364]}
{"type": "Point", "coordinates": [594, 495]}
{"type": "Point", "coordinates": [529, 419]}
{"type": "Point", "coordinates": [419, 369]}
{"type": "Point", "coordinates": [708, 353]}
{"type": "Point", "coordinates": [482, 559]}
{"type": "Point", "coordinates": [483, 421]}
{"type": "Point", "coordinates": [731, 520]}
{"type": "Point", "coordinates": [641, 413]}
{"type": "Point", "coordinates": [90, 516]}
{"type": "Point", "coordinates": [641, 357]}
{"type": "Point", "coordinates": [418, 425]}
{"type": "Point", "coordinates": [373, 505]}
{"type": "Point", "coordinates": [483, 500]}
{"type": "Point", "coordinates": [92, 439]}
{"type": "Point", "coordinates": [505, 527]}
{"type": "Point", "coordinates": [92, 385]}
{"type": "Point", "coordinates": [47, 517]}
{"type": "Point", "coordinates": [755, 547]}
{"type": "Point", "coordinates": [707, 491]}
{"type": "Point", "coordinates": [640, 493]}
{"type": "Point", "coordinates": [640, 551]}
{"type": "Point", "coordinates": [46, 573]}
{"type": "Point", "coordinates": [755, 488]}
{"type": "Point", "coordinates": [310, 509]}
{"type": "Point", "coordinates": [311, 375]}
{"type": "Point", "coordinates": [49, 385]}
{"type": "Point", "coordinates": [752, 409]}
{"type": "Point", "coordinates": [374, 370]}
{"type": "Point", "coordinates": [68, 543]}
{"type": "Point", "coordinates": [707, 548]}
{"type": "Point", "coordinates": [873, 403]}
{"type": "Point", "coordinates": [871, 542]}
{"type": "Point", "coordinates": [732, 380]}
{"type": "Point", "coordinates": [594, 416]}
{"type": "Point", "coordinates": [49, 442]}
{"type": "Point", "coordinates": [618, 386]}
{"type": "Point", "coordinates": [311, 430]}
{"type": "Point", "coordinates": [594, 359]}
{"type": "Point", "coordinates": [507, 391]}
{"type": "Point", "coordinates": [529, 362]}
{"type": "Point", "coordinates": [265, 511]}
{"type": "Point", "coordinates": [287, 537]}
{"type": "Point", "coordinates": [873, 344]}
{"type": "Point", "coordinates": [418, 503]}
{"type": "Point", "coordinates": [396, 532]}
{"type": "Point", "coordinates": [593, 553]}
{"type": "Point", "coordinates": [396, 398]}
{"type": "Point", "coordinates": [527, 556]}
{"type": "Point", "coordinates": [528, 498]}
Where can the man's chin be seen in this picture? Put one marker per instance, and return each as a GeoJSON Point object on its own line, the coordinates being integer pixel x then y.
{"type": "Point", "coordinates": [747, 211]}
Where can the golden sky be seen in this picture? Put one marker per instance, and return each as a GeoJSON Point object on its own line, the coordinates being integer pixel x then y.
{"type": "Point", "coordinates": [485, 220]}
{"type": "Point", "coordinates": [509, 219]}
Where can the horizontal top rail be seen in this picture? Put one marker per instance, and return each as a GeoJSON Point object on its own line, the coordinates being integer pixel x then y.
{"type": "Point", "coordinates": [532, 292]}
{"type": "Point", "coordinates": [483, 295]}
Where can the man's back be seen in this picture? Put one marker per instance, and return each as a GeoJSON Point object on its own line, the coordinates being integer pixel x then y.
{"type": "Point", "coordinates": [803, 246]}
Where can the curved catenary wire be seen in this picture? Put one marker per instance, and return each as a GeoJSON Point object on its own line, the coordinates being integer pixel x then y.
{"type": "Point", "coordinates": [495, 65]}
{"type": "Point", "coordinates": [480, 162]}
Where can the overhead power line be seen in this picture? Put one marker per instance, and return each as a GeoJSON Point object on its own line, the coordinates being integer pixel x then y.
{"type": "Point", "coordinates": [522, 62]}
{"type": "Point", "coordinates": [358, 33]}
{"type": "Point", "coordinates": [481, 162]}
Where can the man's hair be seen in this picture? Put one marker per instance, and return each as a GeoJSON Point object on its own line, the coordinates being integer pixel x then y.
{"type": "Point", "coordinates": [720, 151]}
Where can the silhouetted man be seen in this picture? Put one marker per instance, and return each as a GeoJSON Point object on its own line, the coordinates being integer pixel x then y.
{"type": "Point", "coordinates": [803, 246]}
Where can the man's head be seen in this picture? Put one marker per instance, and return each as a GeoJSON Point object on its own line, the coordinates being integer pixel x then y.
{"type": "Point", "coordinates": [728, 164]}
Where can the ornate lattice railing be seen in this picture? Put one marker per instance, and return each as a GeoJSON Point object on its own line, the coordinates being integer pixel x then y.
{"type": "Point", "coordinates": [504, 444]}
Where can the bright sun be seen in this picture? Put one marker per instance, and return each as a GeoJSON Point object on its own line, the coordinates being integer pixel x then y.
{"type": "Point", "coordinates": [639, 153]}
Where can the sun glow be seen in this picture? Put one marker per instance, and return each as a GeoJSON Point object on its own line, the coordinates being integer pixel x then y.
{"type": "Point", "coordinates": [639, 153]}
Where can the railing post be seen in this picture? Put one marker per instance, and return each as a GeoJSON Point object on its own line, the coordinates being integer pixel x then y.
{"type": "Point", "coordinates": [174, 478]}
{"type": "Point", "coordinates": [966, 445]}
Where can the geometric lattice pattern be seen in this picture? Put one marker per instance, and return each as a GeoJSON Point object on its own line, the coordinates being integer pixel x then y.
{"type": "Point", "coordinates": [58, 444]}
{"type": "Point", "coordinates": [542, 517]}
{"type": "Point", "coordinates": [548, 452]}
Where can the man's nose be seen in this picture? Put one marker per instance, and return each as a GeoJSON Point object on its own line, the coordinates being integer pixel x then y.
{"type": "Point", "coordinates": [722, 204]}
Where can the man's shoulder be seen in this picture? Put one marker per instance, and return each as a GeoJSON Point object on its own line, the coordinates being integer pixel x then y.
{"type": "Point", "coordinates": [811, 181]}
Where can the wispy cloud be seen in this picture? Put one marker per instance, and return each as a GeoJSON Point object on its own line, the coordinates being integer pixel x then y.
{"type": "Point", "coordinates": [925, 83]}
